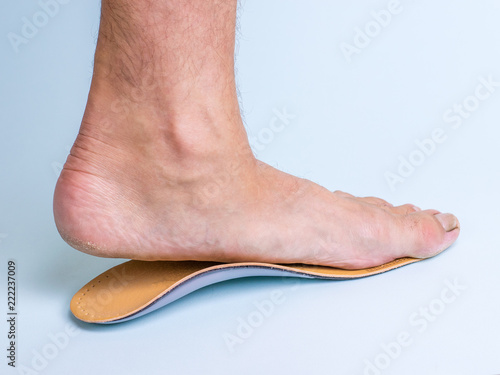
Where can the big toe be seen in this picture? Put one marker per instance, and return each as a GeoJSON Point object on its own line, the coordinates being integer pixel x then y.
{"type": "Point", "coordinates": [427, 233]}
{"type": "Point", "coordinates": [449, 222]}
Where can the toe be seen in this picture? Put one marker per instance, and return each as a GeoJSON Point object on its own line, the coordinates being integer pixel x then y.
{"type": "Point", "coordinates": [369, 200]}
{"type": "Point", "coordinates": [404, 209]}
{"type": "Point", "coordinates": [375, 201]}
{"type": "Point", "coordinates": [424, 234]}
{"type": "Point", "coordinates": [343, 194]}
{"type": "Point", "coordinates": [449, 222]}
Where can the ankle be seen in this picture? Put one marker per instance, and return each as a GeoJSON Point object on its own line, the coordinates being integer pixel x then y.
{"type": "Point", "coordinates": [112, 117]}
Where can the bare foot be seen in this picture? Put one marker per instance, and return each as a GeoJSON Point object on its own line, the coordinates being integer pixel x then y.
{"type": "Point", "coordinates": [137, 193]}
{"type": "Point", "coordinates": [162, 168]}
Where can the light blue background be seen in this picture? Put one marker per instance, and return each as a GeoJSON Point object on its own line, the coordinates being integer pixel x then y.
{"type": "Point", "coordinates": [353, 120]}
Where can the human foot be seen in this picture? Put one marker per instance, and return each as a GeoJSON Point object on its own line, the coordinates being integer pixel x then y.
{"type": "Point", "coordinates": [126, 191]}
{"type": "Point", "coordinates": [162, 169]}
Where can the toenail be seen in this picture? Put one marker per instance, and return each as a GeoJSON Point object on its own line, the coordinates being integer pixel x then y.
{"type": "Point", "coordinates": [416, 209]}
{"type": "Point", "coordinates": [448, 221]}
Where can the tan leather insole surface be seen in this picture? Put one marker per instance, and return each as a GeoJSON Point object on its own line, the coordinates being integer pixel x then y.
{"type": "Point", "coordinates": [130, 287]}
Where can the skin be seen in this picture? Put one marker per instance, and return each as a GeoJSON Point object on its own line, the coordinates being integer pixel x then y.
{"type": "Point", "coordinates": [162, 169]}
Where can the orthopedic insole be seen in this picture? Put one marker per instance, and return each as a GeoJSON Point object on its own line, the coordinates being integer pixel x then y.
{"type": "Point", "coordinates": [135, 288]}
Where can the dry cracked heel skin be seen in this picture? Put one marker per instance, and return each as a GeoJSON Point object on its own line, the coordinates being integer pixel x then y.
{"type": "Point", "coordinates": [135, 288]}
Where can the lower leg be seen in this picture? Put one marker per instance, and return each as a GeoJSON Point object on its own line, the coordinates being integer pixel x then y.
{"type": "Point", "coordinates": [171, 62]}
{"type": "Point", "coordinates": [162, 169]}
